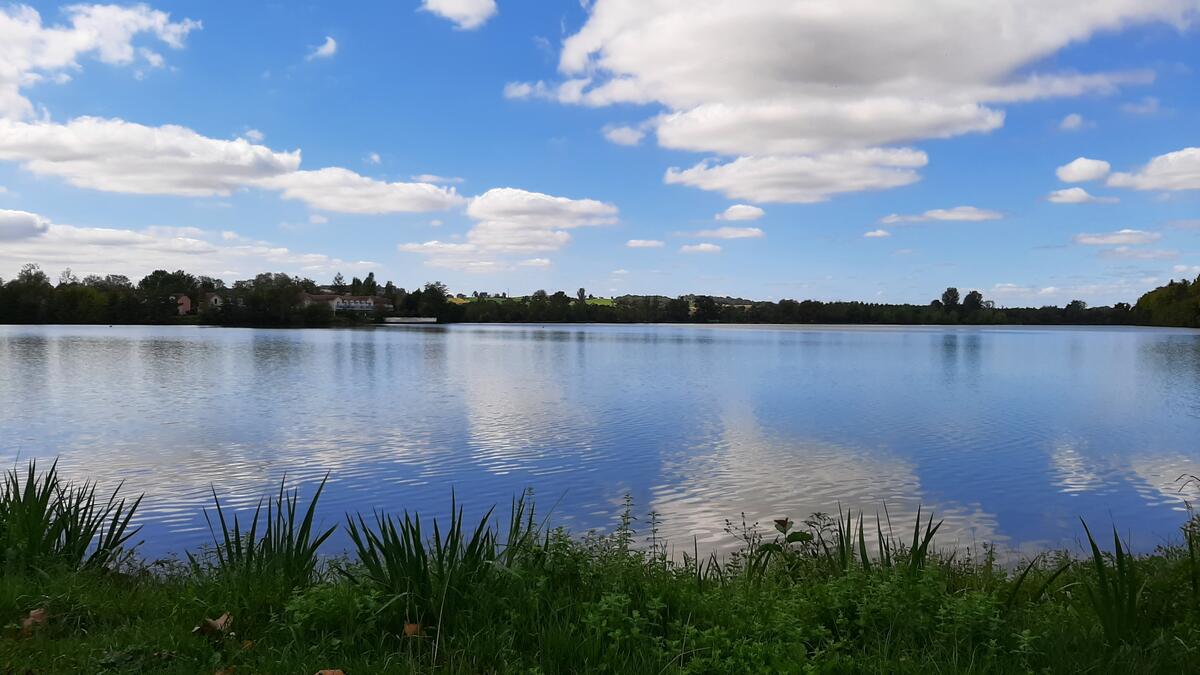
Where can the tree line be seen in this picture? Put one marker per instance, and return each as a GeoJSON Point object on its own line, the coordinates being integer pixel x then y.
{"type": "Point", "coordinates": [276, 299]}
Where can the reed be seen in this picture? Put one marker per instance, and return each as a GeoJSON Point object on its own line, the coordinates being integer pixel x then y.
{"type": "Point", "coordinates": [283, 555]}
{"type": "Point", "coordinates": [45, 522]}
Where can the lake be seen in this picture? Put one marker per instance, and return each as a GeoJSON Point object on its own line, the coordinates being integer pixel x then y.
{"type": "Point", "coordinates": [1010, 434]}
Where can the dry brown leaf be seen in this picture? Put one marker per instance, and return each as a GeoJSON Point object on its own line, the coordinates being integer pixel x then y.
{"type": "Point", "coordinates": [36, 618]}
{"type": "Point", "coordinates": [247, 644]}
{"type": "Point", "coordinates": [412, 629]}
{"type": "Point", "coordinates": [214, 627]}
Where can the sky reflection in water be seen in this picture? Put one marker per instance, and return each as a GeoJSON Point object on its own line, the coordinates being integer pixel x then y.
{"type": "Point", "coordinates": [1011, 434]}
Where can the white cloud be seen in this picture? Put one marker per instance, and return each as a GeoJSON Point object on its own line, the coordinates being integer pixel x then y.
{"type": "Point", "coordinates": [704, 247]}
{"type": "Point", "coordinates": [1072, 122]}
{"type": "Point", "coordinates": [31, 52]}
{"type": "Point", "coordinates": [439, 180]}
{"type": "Point", "coordinates": [535, 262]}
{"type": "Point", "coordinates": [511, 222]}
{"type": "Point", "coordinates": [803, 179]}
{"type": "Point", "coordinates": [620, 272]}
{"type": "Point", "coordinates": [741, 212]}
{"type": "Point", "coordinates": [317, 219]}
{"type": "Point", "coordinates": [374, 158]}
{"type": "Point", "coordinates": [254, 136]}
{"type": "Point", "coordinates": [958, 213]}
{"type": "Point", "coordinates": [21, 225]}
{"type": "Point", "coordinates": [113, 155]}
{"type": "Point", "coordinates": [1145, 107]}
{"type": "Point", "coordinates": [1128, 253]}
{"type": "Point", "coordinates": [1082, 170]}
{"type": "Point", "coordinates": [730, 233]}
{"type": "Point", "coordinates": [134, 253]}
{"type": "Point", "coordinates": [117, 156]}
{"type": "Point", "coordinates": [772, 85]}
{"type": "Point", "coordinates": [1179, 170]}
{"type": "Point", "coordinates": [877, 234]}
{"type": "Point", "coordinates": [465, 14]}
{"type": "Point", "coordinates": [1078, 195]}
{"type": "Point", "coordinates": [344, 191]}
{"type": "Point", "coordinates": [323, 51]}
{"type": "Point", "coordinates": [518, 90]}
{"type": "Point", "coordinates": [644, 243]}
{"type": "Point", "coordinates": [1187, 270]}
{"type": "Point", "coordinates": [624, 135]}
{"type": "Point", "coordinates": [1119, 238]}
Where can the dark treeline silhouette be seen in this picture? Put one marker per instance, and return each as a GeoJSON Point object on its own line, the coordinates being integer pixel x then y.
{"type": "Point", "coordinates": [276, 299]}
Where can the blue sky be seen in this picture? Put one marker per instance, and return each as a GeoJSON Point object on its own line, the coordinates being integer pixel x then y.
{"type": "Point", "coordinates": [522, 145]}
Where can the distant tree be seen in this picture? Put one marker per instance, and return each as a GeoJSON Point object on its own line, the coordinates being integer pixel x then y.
{"type": "Point", "coordinates": [973, 302]}
{"type": "Point", "coordinates": [369, 285]}
{"type": "Point", "coordinates": [67, 278]}
{"type": "Point", "coordinates": [339, 283]}
{"type": "Point", "coordinates": [581, 296]}
{"type": "Point", "coordinates": [950, 298]}
{"type": "Point", "coordinates": [706, 309]}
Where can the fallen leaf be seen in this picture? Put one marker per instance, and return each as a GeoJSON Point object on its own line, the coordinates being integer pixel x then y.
{"type": "Point", "coordinates": [412, 629]}
{"type": "Point", "coordinates": [214, 627]}
{"type": "Point", "coordinates": [247, 644]}
{"type": "Point", "coordinates": [36, 617]}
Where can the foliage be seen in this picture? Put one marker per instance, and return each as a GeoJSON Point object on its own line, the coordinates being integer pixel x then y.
{"type": "Point", "coordinates": [522, 597]}
{"type": "Point", "coordinates": [276, 300]}
{"type": "Point", "coordinates": [283, 557]}
{"type": "Point", "coordinates": [46, 523]}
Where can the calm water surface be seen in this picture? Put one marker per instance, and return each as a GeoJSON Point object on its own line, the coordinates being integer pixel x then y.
{"type": "Point", "coordinates": [1011, 434]}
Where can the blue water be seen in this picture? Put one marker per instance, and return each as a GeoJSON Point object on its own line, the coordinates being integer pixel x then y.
{"type": "Point", "coordinates": [1010, 434]}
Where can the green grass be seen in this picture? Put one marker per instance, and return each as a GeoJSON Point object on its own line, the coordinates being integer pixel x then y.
{"type": "Point", "coordinates": [489, 594]}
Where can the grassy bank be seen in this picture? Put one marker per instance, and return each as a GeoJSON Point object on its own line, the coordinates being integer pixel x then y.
{"type": "Point", "coordinates": [510, 593]}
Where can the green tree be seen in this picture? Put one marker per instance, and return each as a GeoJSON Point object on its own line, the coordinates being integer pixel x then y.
{"type": "Point", "coordinates": [950, 298]}
{"type": "Point", "coordinates": [973, 302]}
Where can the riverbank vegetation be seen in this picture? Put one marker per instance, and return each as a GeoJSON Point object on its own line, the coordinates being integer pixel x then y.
{"type": "Point", "coordinates": [278, 300]}
{"type": "Point", "coordinates": [510, 593]}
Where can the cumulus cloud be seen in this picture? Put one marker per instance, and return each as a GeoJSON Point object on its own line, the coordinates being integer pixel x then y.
{"type": "Point", "coordinates": [118, 156]}
{"type": "Point", "coordinates": [465, 14]}
{"type": "Point", "coordinates": [344, 191]}
{"type": "Point", "coordinates": [1179, 170]}
{"type": "Point", "coordinates": [804, 179]}
{"type": "Point", "coordinates": [730, 233]}
{"type": "Point", "coordinates": [509, 222]}
{"type": "Point", "coordinates": [535, 262]}
{"type": "Point", "coordinates": [771, 85]}
{"type": "Point", "coordinates": [1078, 195]}
{"type": "Point", "coordinates": [324, 50]}
{"type": "Point", "coordinates": [624, 135]}
{"type": "Point", "coordinates": [1072, 122]}
{"type": "Point", "coordinates": [958, 213]}
{"type": "Point", "coordinates": [1124, 237]}
{"type": "Point", "coordinates": [1082, 170]}
{"type": "Point", "coordinates": [741, 212]}
{"type": "Point", "coordinates": [16, 225]}
{"type": "Point", "coordinates": [113, 155]}
{"type": "Point", "coordinates": [254, 136]}
{"type": "Point", "coordinates": [704, 247]}
{"type": "Point", "coordinates": [134, 253]}
{"type": "Point", "coordinates": [1187, 270]}
{"type": "Point", "coordinates": [373, 158]}
{"type": "Point", "coordinates": [31, 52]}
{"type": "Point", "coordinates": [877, 234]}
{"type": "Point", "coordinates": [644, 243]}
